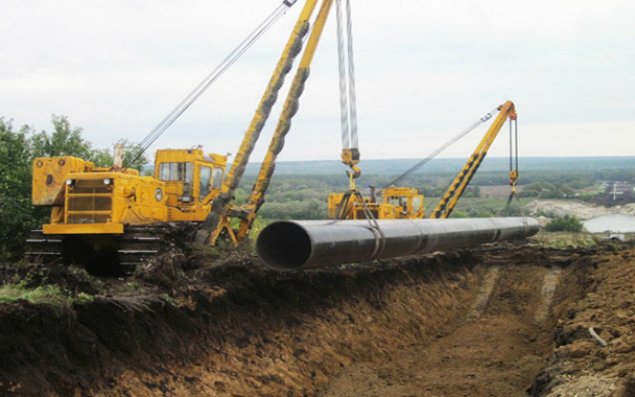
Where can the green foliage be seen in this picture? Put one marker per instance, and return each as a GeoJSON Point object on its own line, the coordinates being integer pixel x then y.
{"type": "Point", "coordinates": [128, 149]}
{"type": "Point", "coordinates": [104, 158]}
{"type": "Point", "coordinates": [66, 140]}
{"type": "Point", "coordinates": [63, 141]}
{"type": "Point", "coordinates": [564, 240]}
{"type": "Point", "coordinates": [547, 190]}
{"type": "Point", "coordinates": [17, 216]}
{"type": "Point", "coordinates": [567, 223]}
{"type": "Point", "coordinates": [45, 294]}
{"type": "Point", "coordinates": [460, 214]}
{"type": "Point", "coordinates": [83, 298]}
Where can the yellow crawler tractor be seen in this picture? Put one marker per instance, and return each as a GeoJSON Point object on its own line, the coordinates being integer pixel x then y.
{"type": "Point", "coordinates": [112, 216]}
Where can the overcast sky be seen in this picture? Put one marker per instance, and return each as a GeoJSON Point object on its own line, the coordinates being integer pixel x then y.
{"type": "Point", "coordinates": [425, 70]}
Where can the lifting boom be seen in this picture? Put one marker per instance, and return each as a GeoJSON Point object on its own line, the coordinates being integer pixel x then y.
{"type": "Point", "coordinates": [291, 105]}
{"type": "Point", "coordinates": [222, 211]}
{"type": "Point", "coordinates": [460, 182]}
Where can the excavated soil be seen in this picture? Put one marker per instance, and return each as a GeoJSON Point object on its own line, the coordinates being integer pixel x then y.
{"type": "Point", "coordinates": [498, 321]}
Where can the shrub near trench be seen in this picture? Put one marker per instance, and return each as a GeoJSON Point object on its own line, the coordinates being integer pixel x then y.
{"type": "Point", "coordinates": [567, 223]}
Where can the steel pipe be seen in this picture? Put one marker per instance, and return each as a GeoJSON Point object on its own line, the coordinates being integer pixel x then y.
{"type": "Point", "coordinates": [293, 245]}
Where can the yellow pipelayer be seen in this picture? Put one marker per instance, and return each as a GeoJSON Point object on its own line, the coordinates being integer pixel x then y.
{"type": "Point", "coordinates": [407, 203]}
{"type": "Point", "coordinates": [116, 216]}
{"type": "Point", "coordinates": [90, 200]}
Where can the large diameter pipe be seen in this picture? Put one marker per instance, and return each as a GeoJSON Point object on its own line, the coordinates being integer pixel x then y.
{"type": "Point", "coordinates": [293, 245]}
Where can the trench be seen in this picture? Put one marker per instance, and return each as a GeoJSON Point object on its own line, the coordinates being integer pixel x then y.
{"type": "Point", "coordinates": [473, 323]}
{"type": "Point", "coordinates": [498, 348]}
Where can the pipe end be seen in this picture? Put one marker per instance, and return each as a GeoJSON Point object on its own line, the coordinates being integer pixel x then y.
{"type": "Point", "coordinates": [284, 246]}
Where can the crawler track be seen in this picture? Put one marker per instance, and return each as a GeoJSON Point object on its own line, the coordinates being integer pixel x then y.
{"type": "Point", "coordinates": [117, 254]}
{"type": "Point", "coordinates": [43, 248]}
{"type": "Point", "coordinates": [139, 244]}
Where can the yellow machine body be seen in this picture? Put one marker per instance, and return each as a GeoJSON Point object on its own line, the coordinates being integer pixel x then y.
{"type": "Point", "coordinates": [395, 203]}
{"type": "Point", "coordinates": [406, 202]}
{"type": "Point", "coordinates": [90, 200]}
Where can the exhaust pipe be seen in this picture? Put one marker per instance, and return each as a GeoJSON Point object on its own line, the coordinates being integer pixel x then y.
{"type": "Point", "coordinates": [295, 245]}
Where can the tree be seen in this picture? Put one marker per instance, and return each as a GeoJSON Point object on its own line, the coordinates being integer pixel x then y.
{"type": "Point", "coordinates": [17, 215]}
{"type": "Point", "coordinates": [66, 140]}
{"type": "Point", "coordinates": [63, 141]}
{"type": "Point", "coordinates": [129, 148]}
{"type": "Point", "coordinates": [567, 223]}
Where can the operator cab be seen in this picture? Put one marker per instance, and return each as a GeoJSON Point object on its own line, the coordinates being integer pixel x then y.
{"type": "Point", "coordinates": [191, 177]}
{"type": "Point", "coordinates": [405, 202]}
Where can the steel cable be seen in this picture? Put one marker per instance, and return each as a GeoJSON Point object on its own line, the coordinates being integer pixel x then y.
{"type": "Point", "coordinates": [341, 63]}
{"type": "Point", "coordinates": [346, 69]}
{"type": "Point", "coordinates": [200, 88]}
{"type": "Point", "coordinates": [352, 101]}
{"type": "Point", "coordinates": [441, 148]}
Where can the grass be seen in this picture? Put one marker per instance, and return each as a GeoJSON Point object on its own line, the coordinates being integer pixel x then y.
{"type": "Point", "coordinates": [45, 294]}
{"type": "Point", "coordinates": [83, 297]}
{"type": "Point", "coordinates": [49, 295]}
{"type": "Point", "coordinates": [564, 240]}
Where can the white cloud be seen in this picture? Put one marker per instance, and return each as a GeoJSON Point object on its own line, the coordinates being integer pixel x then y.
{"type": "Point", "coordinates": [425, 70]}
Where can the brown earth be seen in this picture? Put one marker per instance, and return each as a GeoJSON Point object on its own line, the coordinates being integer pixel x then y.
{"type": "Point", "coordinates": [579, 365]}
{"type": "Point", "coordinates": [498, 321]}
{"type": "Point", "coordinates": [497, 351]}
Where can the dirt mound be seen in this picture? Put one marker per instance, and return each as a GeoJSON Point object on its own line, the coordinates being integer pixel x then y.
{"type": "Point", "coordinates": [580, 365]}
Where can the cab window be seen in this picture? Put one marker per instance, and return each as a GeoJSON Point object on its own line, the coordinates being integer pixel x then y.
{"type": "Point", "coordinates": [205, 174]}
{"type": "Point", "coordinates": [217, 181]}
{"type": "Point", "coordinates": [176, 172]}
{"type": "Point", "coordinates": [395, 200]}
{"type": "Point", "coordinates": [416, 204]}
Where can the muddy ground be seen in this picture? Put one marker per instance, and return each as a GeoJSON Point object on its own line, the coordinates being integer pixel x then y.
{"type": "Point", "coordinates": [510, 320]}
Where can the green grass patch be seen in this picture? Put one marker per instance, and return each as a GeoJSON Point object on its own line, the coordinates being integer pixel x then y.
{"type": "Point", "coordinates": [46, 294]}
{"type": "Point", "coordinates": [83, 297]}
{"type": "Point", "coordinates": [564, 240]}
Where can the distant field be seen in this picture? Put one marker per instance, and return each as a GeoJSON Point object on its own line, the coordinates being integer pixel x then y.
{"type": "Point", "coordinates": [498, 191]}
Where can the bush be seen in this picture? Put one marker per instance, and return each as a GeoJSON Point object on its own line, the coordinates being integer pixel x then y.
{"type": "Point", "coordinates": [567, 223]}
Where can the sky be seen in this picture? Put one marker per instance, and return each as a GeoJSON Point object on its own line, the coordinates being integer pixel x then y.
{"type": "Point", "coordinates": [425, 70]}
